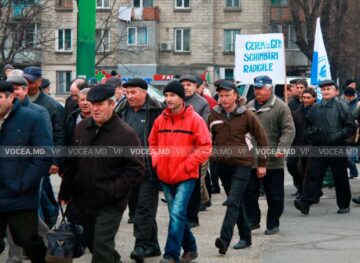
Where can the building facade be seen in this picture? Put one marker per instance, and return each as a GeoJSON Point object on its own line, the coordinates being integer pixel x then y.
{"type": "Point", "coordinates": [152, 39]}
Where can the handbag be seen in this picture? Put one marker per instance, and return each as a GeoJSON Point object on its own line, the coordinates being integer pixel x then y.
{"type": "Point", "coordinates": [65, 242]}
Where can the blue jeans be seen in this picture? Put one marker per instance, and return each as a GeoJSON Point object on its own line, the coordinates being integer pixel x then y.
{"type": "Point", "coordinates": [179, 234]}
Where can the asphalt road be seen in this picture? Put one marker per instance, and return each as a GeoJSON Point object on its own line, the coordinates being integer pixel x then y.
{"type": "Point", "coordinates": [322, 236]}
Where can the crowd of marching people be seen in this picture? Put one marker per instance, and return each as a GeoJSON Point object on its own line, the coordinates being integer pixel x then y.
{"type": "Point", "coordinates": [98, 190]}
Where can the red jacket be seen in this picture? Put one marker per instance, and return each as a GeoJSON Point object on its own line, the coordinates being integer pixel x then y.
{"type": "Point", "coordinates": [210, 100]}
{"type": "Point", "coordinates": [185, 133]}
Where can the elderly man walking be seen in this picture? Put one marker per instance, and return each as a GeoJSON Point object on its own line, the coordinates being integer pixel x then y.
{"type": "Point", "coordinates": [275, 117]}
{"type": "Point", "coordinates": [100, 187]}
{"type": "Point", "coordinates": [20, 177]}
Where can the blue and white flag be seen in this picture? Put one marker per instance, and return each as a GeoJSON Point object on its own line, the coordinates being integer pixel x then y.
{"type": "Point", "coordinates": [320, 69]}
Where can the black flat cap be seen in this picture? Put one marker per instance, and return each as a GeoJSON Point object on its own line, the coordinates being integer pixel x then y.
{"type": "Point", "coordinates": [228, 85]}
{"type": "Point", "coordinates": [45, 83]}
{"type": "Point", "coordinates": [100, 93]}
{"type": "Point", "coordinates": [349, 91]}
{"type": "Point", "coordinates": [136, 82]}
{"type": "Point", "coordinates": [218, 82]}
{"type": "Point", "coordinates": [199, 81]}
{"type": "Point", "coordinates": [190, 78]}
{"type": "Point", "coordinates": [6, 86]}
{"type": "Point", "coordinates": [327, 82]}
{"type": "Point", "coordinates": [293, 81]}
{"type": "Point", "coordinates": [113, 82]}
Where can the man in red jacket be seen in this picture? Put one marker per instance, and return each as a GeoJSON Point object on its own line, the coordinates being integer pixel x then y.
{"type": "Point", "coordinates": [183, 134]}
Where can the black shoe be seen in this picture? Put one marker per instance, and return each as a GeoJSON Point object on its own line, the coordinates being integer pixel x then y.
{"type": "Point", "coordinates": [138, 254]}
{"type": "Point", "coordinates": [302, 207]}
{"type": "Point", "coordinates": [316, 201]}
{"type": "Point", "coordinates": [356, 200]}
{"type": "Point", "coordinates": [215, 189]}
{"type": "Point", "coordinates": [221, 245]}
{"type": "Point", "coordinates": [343, 210]}
{"type": "Point", "coordinates": [242, 244]}
{"type": "Point", "coordinates": [202, 208]}
{"type": "Point", "coordinates": [163, 199]}
{"type": "Point", "coordinates": [272, 231]}
{"type": "Point", "coordinates": [254, 226]}
{"type": "Point", "coordinates": [152, 252]}
{"type": "Point", "coordinates": [188, 256]}
{"type": "Point", "coordinates": [205, 205]}
{"type": "Point", "coordinates": [131, 220]}
{"type": "Point", "coordinates": [193, 224]}
{"type": "Point", "coordinates": [2, 245]}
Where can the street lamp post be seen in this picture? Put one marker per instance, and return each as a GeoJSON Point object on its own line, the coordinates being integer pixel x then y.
{"type": "Point", "coordinates": [85, 55]}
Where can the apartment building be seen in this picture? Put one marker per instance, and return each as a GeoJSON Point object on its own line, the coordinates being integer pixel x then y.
{"type": "Point", "coordinates": [192, 36]}
{"type": "Point", "coordinates": [281, 22]}
{"type": "Point", "coordinates": [152, 39]}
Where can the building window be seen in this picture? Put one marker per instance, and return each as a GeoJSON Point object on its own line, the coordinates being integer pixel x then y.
{"type": "Point", "coordinates": [64, 4]}
{"type": "Point", "coordinates": [102, 4]}
{"type": "Point", "coordinates": [289, 34]}
{"type": "Point", "coordinates": [182, 3]}
{"type": "Point", "coordinates": [102, 40]}
{"type": "Point", "coordinates": [28, 36]}
{"type": "Point", "coordinates": [229, 74]}
{"type": "Point", "coordinates": [137, 36]}
{"type": "Point", "coordinates": [229, 39]}
{"type": "Point", "coordinates": [143, 3]}
{"type": "Point", "coordinates": [279, 2]}
{"type": "Point", "coordinates": [233, 3]}
{"type": "Point", "coordinates": [182, 40]}
{"type": "Point", "coordinates": [64, 40]}
{"type": "Point", "coordinates": [63, 80]}
{"type": "Point", "coordinates": [24, 2]}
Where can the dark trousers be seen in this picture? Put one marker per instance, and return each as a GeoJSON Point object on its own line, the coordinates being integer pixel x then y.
{"type": "Point", "coordinates": [234, 180]}
{"type": "Point", "coordinates": [317, 167]}
{"type": "Point", "coordinates": [273, 183]}
{"type": "Point", "coordinates": [195, 202]}
{"type": "Point", "coordinates": [145, 227]}
{"type": "Point", "coordinates": [24, 229]}
{"type": "Point", "coordinates": [48, 204]}
{"type": "Point", "coordinates": [297, 168]}
{"type": "Point", "coordinates": [208, 184]}
{"type": "Point", "coordinates": [133, 201]}
{"type": "Point", "coordinates": [214, 177]}
{"type": "Point", "coordinates": [100, 229]}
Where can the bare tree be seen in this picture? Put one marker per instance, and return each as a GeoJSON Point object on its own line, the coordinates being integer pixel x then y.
{"type": "Point", "coordinates": [118, 38]}
{"type": "Point", "coordinates": [22, 31]}
{"type": "Point", "coordinates": [340, 26]}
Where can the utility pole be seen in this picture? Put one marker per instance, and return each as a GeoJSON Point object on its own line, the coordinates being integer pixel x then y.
{"type": "Point", "coordinates": [85, 55]}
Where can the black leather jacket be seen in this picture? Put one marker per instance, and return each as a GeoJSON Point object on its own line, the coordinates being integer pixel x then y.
{"type": "Point", "coordinates": [329, 123]}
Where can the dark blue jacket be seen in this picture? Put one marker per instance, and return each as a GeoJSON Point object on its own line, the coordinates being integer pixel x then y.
{"type": "Point", "coordinates": [20, 177]}
{"type": "Point", "coordinates": [44, 113]}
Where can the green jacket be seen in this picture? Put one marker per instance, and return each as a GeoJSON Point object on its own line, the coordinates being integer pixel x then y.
{"type": "Point", "coordinates": [276, 118]}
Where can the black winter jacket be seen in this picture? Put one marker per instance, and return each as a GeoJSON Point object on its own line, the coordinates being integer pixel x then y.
{"type": "Point", "coordinates": [57, 117]}
{"type": "Point", "coordinates": [329, 123]}
{"type": "Point", "coordinates": [153, 109]}
{"type": "Point", "coordinates": [96, 182]}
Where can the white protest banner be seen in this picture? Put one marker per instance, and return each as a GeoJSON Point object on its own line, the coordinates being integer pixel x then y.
{"type": "Point", "coordinates": [257, 55]}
